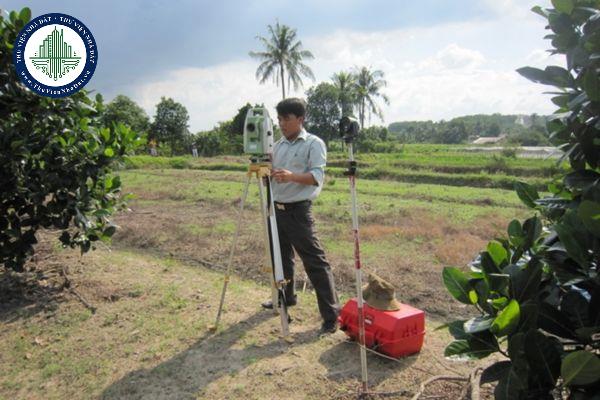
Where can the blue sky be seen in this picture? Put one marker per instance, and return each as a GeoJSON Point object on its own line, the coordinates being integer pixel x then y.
{"type": "Point", "coordinates": [441, 59]}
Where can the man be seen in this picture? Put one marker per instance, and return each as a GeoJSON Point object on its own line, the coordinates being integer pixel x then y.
{"type": "Point", "coordinates": [298, 169]}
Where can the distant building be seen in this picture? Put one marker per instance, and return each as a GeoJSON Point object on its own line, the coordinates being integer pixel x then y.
{"type": "Point", "coordinates": [488, 140]}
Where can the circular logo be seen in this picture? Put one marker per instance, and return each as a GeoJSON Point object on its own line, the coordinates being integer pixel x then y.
{"type": "Point", "coordinates": [55, 55]}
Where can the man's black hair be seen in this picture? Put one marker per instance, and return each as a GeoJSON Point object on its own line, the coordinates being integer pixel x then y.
{"type": "Point", "coordinates": [292, 105]}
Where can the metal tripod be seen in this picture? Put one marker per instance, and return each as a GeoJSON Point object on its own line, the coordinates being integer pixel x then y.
{"type": "Point", "coordinates": [261, 168]}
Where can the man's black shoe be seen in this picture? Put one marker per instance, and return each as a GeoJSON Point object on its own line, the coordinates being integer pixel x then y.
{"type": "Point", "coordinates": [290, 303]}
{"type": "Point", "coordinates": [328, 328]}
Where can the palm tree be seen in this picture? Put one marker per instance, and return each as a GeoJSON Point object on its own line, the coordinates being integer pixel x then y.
{"type": "Point", "coordinates": [368, 89]}
{"type": "Point", "coordinates": [283, 54]}
{"type": "Point", "coordinates": [345, 82]}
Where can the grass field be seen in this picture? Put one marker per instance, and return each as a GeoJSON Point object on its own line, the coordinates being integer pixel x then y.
{"type": "Point", "coordinates": [156, 290]}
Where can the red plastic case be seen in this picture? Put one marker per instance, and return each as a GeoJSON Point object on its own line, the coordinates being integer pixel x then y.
{"type": "Point", "coordinates": [395, 333]}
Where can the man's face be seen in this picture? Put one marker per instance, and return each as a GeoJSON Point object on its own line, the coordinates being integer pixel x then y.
{"type": "Point", "coordinates": [290, 125]}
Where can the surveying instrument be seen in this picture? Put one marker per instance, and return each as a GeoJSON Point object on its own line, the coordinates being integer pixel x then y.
{"type": "Point", "coordinates": [258, 142]}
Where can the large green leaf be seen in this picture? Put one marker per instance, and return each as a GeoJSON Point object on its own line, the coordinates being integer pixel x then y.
{"type": "Point", "coordinates": [495, 372]}
{"type": "Point", "coordinates": [507, 320]}
{"type": "Point", "coordinates": [563, 6]}
{"type": "Point", "coordinates": [589, 213]}
{"type": "Point", "coordinates": [591, 84]}
{"type": "Point", "coordinates": [575, 306]}
{"type": "Point", "coordinates": [478, 324]}
{"type": "Point", "coordinates": [532, 227]}
{"type": "Point", "coordinates": [527, 194]}
{"type": "Point", "coordinates": [515, 233]}
{"type": "Point", "coordinates": [555, 322]}
{"type": "Point", "coordinates": [498, 282]}
{"type": "Point", "coordinates": [512, 385]}
{"type": "Point", "coordinates": [525, 281]}
{"type": "Point", "coordinates": [528, 318]}
{"type": "Point", "coordinates": [477, 346]}
{"type": "Point", "coordinates": [581, 180]}
{"type": "Point", "coordinates": [457, 284]}
{"type": "Point", "coordinates": [580, 368]}
{"type": "Point", "coordinates": [574, 237]}
{"type": "Point", "coordinates": [497, 252]}
{"type": "Point", "coordinates": [544, 356]}
{"type": "Point", "coordinates": [552, 75]}
{"type": "Point", "coordinates": [25, 15]}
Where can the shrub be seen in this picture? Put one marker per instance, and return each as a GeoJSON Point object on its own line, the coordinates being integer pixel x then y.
{"type": "Point", "coordinates": [57, 162]}
{"type": "Point", "coordinates": [537, 290]}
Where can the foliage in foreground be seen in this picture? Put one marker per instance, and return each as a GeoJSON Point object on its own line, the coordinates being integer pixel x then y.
{"type": "Point", "coordinates": [538, 290]}
{"type": "Point", "coordinates": [56, 162]}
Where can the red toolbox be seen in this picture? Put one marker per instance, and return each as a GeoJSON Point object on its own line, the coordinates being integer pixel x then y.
{"type": "Point", "coordinates": [395, 333]}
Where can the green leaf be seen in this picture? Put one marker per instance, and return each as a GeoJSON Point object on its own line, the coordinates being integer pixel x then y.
{"type": "Point", "coordinates": [507, 320]}
{"type": "Point", "coordinates": [511, 386]}
{"type": "Point", "coordinates": [543, 352]}
{"type": "Point", "coordinates": [477, 347]}
{"type": "Point", "coordinates": [591, 85]}
{"type": "Point", "coordinates": [25, 15]}
{"type": "Point", "coordinates": [525, 280]}
{"type": "Point", "coordinates": [532, 228]}
{"type": "Point", "coordinates": [574, 237]}
{"type": "Point", "coordinates": [105, 132]}
{"type": "Point", "coordinates": [497, 252]}
{"type": "Point", "coordinates": [580, 368]}
{"type": "Point", "coordinates": [589, 213]}
{"type": "Point", "coordinates": [581, 180]}
{"type": "Point", "coordinates": [499, 303]}
{"type": "Point", "coordinates": [457, 284]}
{"type": "Point", "coordinates": [527, 194]}
{"type": "Point", "coordinates": [109, 231]}
{"type": "Point", "coordinates": [540, 11]}
{"type": "Point", "coordinates": [473, 296]}
{"type": "Point", "coordinates": [108, 152]}
{"type": "Point", "coordinates": [495, 372]}
{"type": "Point", "coordinates": [478, 324]}
{"type": "Point", "coordinates": [528, 319]}
{"type": "Point", "coordinates": [555, 322]}
{"type": "Point", "coordinates": [498, 282]}
{"type": "Point", "coordinates": [515, 233]}
{"type": "Point", "coordinates": [563, 6]}
{"type": "Point", "coordinates": [575, 306]}
{"type": "Point", "coordinates": [108, 182]}
{"type": "Point", "coordinates": [552, 75]}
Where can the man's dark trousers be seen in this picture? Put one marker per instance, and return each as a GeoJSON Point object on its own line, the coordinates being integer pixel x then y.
{"type": "Point", "coordinates": [295, 225]}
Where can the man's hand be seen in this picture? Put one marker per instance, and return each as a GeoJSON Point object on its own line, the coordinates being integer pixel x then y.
{"type": "Point", "coordinates": [285, 176]}
{"type": "Point", "coordinates": [282, 175]}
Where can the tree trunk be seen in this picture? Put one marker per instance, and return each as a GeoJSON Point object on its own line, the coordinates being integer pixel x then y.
{"type": "Point", "coordinates": [361, 113]}
{"type": "Point", "coordinates": [282, 82]}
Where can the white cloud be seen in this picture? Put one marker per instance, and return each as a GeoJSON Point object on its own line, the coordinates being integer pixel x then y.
{"type": "Point", "coordinates": [513, 8]}
{"type": "Point", "coordinates": [436, 72]}
{"type": "Point", "coordinates": [210, 94]}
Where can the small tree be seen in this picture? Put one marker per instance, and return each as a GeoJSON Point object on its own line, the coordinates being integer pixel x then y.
{"type": "Point", "coordinates": [124, 110]}
{"type": "Point", "coordinates": [323, 112]}
{"type": "Point", "coordinates": [57, 162]}
{"type": "Point", "coordinates": [538, 290]}
{"type": "Point", "coordinates": [171, 124]}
